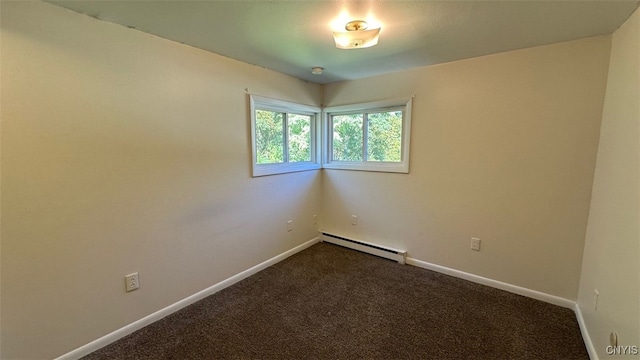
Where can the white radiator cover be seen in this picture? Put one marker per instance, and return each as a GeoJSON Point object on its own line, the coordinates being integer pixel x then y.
{"type": "Point", "coordinates": [374, 249]}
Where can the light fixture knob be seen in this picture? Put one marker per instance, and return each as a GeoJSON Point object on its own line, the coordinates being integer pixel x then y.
{"type": "Point", "coordinates": [356, 25]}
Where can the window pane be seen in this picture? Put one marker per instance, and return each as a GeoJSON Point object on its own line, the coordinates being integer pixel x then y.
{"type": "Point", "coordinates": [269, 137]}
{"type": "Point", "coordinates": [347, 137]}
{"type": "Point", "coordinates": [299, 138]}
{"type": "Point", "coordinates": [384, 138]}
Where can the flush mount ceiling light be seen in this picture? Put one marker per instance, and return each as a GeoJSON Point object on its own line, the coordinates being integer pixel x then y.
{"type": "Point", "coordinates": [357, 36]}
{"type": "Point", "coordinates": [317, 70]}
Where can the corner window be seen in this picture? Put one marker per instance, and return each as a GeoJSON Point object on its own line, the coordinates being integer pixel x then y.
{"type": "Point", "coordinates": [370, 137]}
{"type": "Point", "coordinates": [284, 136]}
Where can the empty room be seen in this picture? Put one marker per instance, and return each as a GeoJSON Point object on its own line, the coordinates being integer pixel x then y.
{"type": "Point", "coordinates": [319, 179]}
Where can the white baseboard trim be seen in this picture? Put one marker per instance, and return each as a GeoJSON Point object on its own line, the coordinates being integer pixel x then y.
{"type": "Point", "coordinates": [552, 299]}
{"type": "Point", "coordinates": [139, 324]}
{"type": "Point", "coordinates": [591, 349]}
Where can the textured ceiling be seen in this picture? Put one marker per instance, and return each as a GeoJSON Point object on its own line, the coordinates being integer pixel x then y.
{"type": "Point", "coordinates": [291, 37]}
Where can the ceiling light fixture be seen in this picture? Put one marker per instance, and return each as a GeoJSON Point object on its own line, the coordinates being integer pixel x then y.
{"type": "Point", "coordinates": [317, 70]}
{"type": "Point", "coordinates": [357, 36]}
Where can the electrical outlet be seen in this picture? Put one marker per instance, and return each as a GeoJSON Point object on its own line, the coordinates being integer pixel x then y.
{"type": "Point", "coordinates": [131, 282]}
{"type": "Point", "coordinates": [475, 244]}
{"type": "Point", "coordinates": [596, 295]}
{"type": "Point", "coordinates": [289, 225]}
{"type": "Point", "coordinates": [354, 220]}
{"type": "Point", "coordinates": [315, 219]}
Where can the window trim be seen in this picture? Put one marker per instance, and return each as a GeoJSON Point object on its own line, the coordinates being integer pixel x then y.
{"type": "Point", "coordinates": [263, 103]}
{"type": "Point", "coordinates": [327, 128]}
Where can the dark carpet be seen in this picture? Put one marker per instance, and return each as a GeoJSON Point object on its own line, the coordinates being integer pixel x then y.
{"type": "Point", "coordinates": [328, 302]}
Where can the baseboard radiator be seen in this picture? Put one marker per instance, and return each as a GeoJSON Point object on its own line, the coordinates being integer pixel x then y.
{"type": "Point", "coordinates": [383, 251]}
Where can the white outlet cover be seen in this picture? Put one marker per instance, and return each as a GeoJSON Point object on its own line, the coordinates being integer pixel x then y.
{"type": "Point", "coordinates": [475, 244]}
{"type": "Point", "coordinates": [131, 282]}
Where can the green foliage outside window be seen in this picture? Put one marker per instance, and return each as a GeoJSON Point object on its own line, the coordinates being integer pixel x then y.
{"type": "Point", "coordinates": [384, 141]}
{"type": "Point", "coordinates": [270, 137]}
{"type": "Point", "coordinates": [299, 138]}
{"type": "Point", "coordinates": [347, 137]}
{"type": "Point", "coordinates": [383, 138]}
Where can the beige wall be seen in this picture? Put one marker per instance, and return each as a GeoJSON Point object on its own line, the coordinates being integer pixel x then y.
{"type": "Point", "coordinates": [612, 250]}
{"type": "Point", "coordinates": [125, 152]}
{"type": "Point", "coordinates": [503, 148]}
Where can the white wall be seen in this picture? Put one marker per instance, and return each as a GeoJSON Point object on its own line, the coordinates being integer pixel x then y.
{"type": "Point", "coordinates": [125, 152]}
{"type": "Point", "coordinates": [612, 250]}
{"type": "Point", "coordinates": [503, 148]}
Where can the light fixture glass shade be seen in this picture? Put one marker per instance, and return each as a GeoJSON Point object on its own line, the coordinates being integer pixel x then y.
{"type": "Point", "coordinates": [356, 39]}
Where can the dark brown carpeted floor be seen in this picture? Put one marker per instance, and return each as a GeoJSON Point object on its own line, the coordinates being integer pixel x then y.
{"type": "Point", "coordinates": [329, 302]}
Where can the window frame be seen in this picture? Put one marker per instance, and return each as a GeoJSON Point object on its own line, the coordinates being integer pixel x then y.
{"type": "Point", "coordinates": [401, 166]}
{"type": "Point", "coordinates": [287, 107]}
